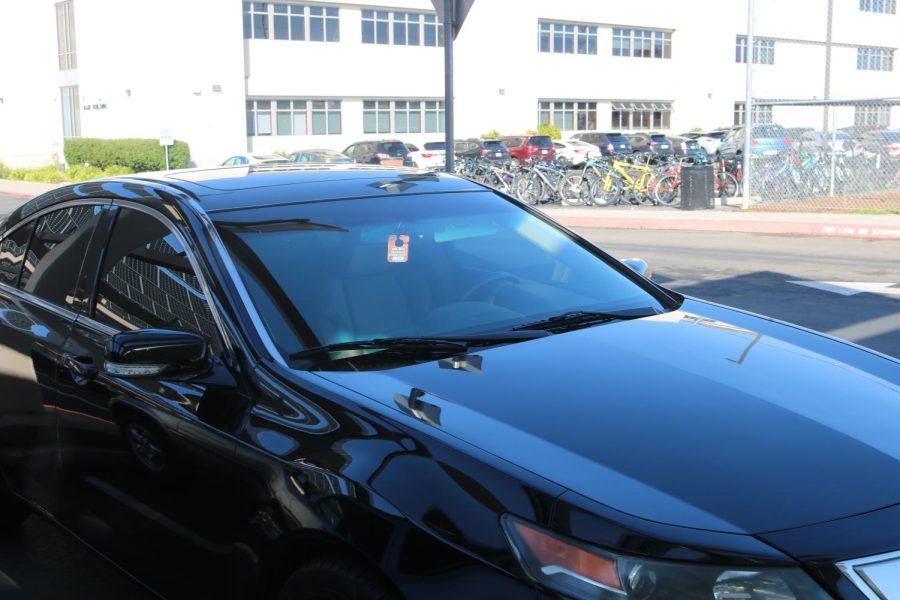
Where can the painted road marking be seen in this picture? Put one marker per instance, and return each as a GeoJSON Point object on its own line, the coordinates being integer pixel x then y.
{"type": "Point", "coordinates": [851, 288]}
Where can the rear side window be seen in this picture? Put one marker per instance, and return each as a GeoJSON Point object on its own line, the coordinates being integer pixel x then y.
{"type": "Point", "coordinates": [617, 139]}
{"type": "Point", "coordinates": [53, 260]}
{"type": "Point", "coordinates": [393, 148]}
{"type": "Point", "coordinates": [891, 137]}
{"type": "Point", "coordinates": [541, 141]}
{"type": "Point", "coordinates": [12, 253]}
{"type": "Point", "coordinates": [147, 280]}
{"type": "Point", "coordinates": [434, 146]}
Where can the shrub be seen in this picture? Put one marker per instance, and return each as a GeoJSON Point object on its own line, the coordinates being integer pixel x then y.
{"type": "Point", "coordinates": [48, 174]}
{"type": "Point", "coordinates": [4, 171]}
{"type": "Point", "coordinates": [136, 154]}
{"type": "Point", "coordinates": [490, 133]}
{"type": "Point", "coordinates": [77, 173]}
{"type": "Point", "coordinates": [549, 129]}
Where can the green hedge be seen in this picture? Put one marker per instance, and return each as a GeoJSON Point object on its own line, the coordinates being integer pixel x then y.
{"type": "Point", "coordinates": [136, 154]}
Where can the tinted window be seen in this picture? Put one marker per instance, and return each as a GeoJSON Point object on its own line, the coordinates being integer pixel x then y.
{"type": "Point", "coordinates": [54, 255]}
{"type": "Point", "coordinates": [147, 280]}
{"type": "Point", "coordinates": [541, 141]}
{"type": "Point", "coordinates": [494, 145]}
{"type": "Point", "coordinates": [12, 253]}
{"type": "Point", "coordinates": [512, 142]}
{"type": "Point", "coordinates": [617, 139]}
{"type": "Point", "coordinates": [434, 145]}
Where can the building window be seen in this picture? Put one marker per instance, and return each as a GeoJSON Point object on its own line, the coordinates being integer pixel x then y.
{"type": "Point", "coordinates": [403, 116]}
{"type": "Point", "coordinates": [401, 28]}
{"type": "Point", "coordinates": [567, 38]}
{"type": "Point", "coordinates": [283, 21]}
{"type": "Point", "coordinates": [763, 50]}
{"type": "Point", "coordinates": [879, 6]}
{"type": "Point", "coordinates": [874, 59]}
{"type": "Point", "coordinates": [71, 111]}
{"type": "Point", "coordinates": [289, 22]}
{"type": "Point", "coordinates": [376, 116]}
{"type": "Point", "coordinates": [641, 115]}
{"type": "Point", "coordinates": [568, 115]}
{"type": "Point", "coordinates": [642, 43]}
{"type": "Point", "coordinates": [293, 117]}
{"type": "Point", "coordinates": [879, 116]}
{"type": "Point", "coordinates": [65, 35]}
{"type": "Point", "coordinates": [761, 113]}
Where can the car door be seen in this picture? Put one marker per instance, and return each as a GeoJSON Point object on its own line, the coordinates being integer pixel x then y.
{"type": "Point", "coordinates": [40, 262]}
{"type": "Point", "coordinates": [146, 462]}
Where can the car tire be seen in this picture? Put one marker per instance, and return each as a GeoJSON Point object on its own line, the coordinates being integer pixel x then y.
{"type": "Point", "coordinates": [13, 512]}
{"type": "Point", "coordinates": [335, 578]}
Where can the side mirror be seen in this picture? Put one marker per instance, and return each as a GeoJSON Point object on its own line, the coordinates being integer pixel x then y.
{"type": "Point", "coordinates": [639, 266]}
{"type": "Point", "coordinates": [154, 352]}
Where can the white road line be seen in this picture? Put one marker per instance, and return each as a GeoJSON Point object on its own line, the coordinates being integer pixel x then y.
{"type": "Point", "coordinates": [851, 288]}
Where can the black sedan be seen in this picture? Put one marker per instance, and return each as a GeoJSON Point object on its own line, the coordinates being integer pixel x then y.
{"type": "Point", "coordinates": [361, 382]}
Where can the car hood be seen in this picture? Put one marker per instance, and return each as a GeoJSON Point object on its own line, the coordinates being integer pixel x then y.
{"type": "Point", "coordinates": [743, 426]}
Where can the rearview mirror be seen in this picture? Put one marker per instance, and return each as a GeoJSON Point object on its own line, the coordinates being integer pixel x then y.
{"type": "Point", "coordinates": [155, 352]}
{"type": "Point", "coordinates": [639, 266]}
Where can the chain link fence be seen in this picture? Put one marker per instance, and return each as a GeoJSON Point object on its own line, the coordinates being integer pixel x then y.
{"type": "Point", "coordinates": [839, 155]}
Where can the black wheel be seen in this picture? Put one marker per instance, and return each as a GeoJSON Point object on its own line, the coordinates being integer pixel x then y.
{"type": "Point", "coordinates": [335, 578]}
{"type": "Point", "coordinates": [13, 511]}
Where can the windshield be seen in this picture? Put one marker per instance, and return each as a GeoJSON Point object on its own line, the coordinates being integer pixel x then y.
{"type": "Point", "coordinates": [393, 148]}
{"type": "Point", "coordinates": [435, 146]}
{"type": "Point", "coordinates": [541, 141]}
{"type": "Point", "coordinates": [414, 266]}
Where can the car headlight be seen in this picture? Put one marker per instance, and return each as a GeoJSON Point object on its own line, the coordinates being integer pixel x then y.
{"type": "Point", "coordinates": [586, 572]}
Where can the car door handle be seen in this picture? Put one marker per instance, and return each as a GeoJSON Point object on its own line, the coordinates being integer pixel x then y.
{"type": "Point", "coordinates": [82, 369]}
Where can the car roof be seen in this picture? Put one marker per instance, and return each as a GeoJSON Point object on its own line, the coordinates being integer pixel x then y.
{"type": "Point", "coordinates": [233, 188]}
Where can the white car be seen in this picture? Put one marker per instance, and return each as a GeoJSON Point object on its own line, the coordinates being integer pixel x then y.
{"type": "Point", "coordinates": [709, 140]}
{"type": "Point", "coordinates": [254, 159]}
{"type": "Point", "coordinates": [575, 151]}
{"type": "Point", "coordinates": [432, 155]}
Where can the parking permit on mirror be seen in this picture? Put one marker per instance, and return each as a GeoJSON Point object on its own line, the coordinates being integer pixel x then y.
{"type": "Point", "coordinates": [398, 249]}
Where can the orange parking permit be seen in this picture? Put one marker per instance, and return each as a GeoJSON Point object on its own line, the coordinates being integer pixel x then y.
{"type": "Point", "coordinates": [398, 249]}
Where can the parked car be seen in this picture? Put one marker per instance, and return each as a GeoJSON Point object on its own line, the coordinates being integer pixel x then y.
{"type": "Point", "coordinates": [609, 143]}
{"type": "Point", "coordinates": [490, 149]}
{"type": "Point", "coordinates": [883, 142]}
{"type": "Point", "coordinates": [525, 147]}
{"type": "Point", "coordinates": [575, 152]}
{"type": "Point", "coordinates": [380, 152]}
{"type": "Point", "coordinates": [358, 383]}
{"type": "Point", "coordinates": [688, 148]}
{"type": "Point", "coordinates": [319, 156]}
{"type": "Point", "coordinates": [433, 155]}
{"type": "Point", "coordinates": [767, 139]}
{"type": "Point", "coordinates": [254, 159]}
{"type": "Point", "coordinates": [655, 143]}
{"type": "Point", "coordinates": [709, 141]}
{"type": "Point", "coordinates": [819, 141]}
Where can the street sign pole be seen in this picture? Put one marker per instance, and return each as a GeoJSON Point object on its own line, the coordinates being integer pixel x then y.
{"type": "Point", "coordinates": [449, 34]}
{"type": "Point", "coordinates": [166, 140]}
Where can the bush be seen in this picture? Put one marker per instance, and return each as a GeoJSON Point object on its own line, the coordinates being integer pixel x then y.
{"type": "Point", "coordinates": [4, 171]}
{"type": "Point", "coordinates": [491, 133]}
{"type": "Point", "coordinates": [77, 173]}
{"type": "Point", "coordinates": [547, 129]}
{"type": "Point", "coordinates": [135, 154]}
{"type": "Point", "coordinates": [48, 174]}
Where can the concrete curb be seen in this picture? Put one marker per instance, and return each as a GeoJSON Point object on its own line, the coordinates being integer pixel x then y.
{"type": "Point", "coordinates": [808, 228]}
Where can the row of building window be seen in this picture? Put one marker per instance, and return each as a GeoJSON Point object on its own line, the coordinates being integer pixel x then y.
{"type": "Point", "coordinates": [401, 28]}
{"type": "Point", "coordinates": [581, 38]}
{"type": "Point", "coordinates": [323, 117]}
{"type": "Point", "coordinates": [274, 21]}
{"type": "Point", "coordinates": [879, 6]}
{"type": "Point", "coordinates": [65, 35]}
{"type": "Point", "coordinates": [875, 59]}
{"type": "Point", "coordinates": [763, 50]}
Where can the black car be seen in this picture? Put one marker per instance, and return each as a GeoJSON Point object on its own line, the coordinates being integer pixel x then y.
{"type": "Point", "coordinates": [654, 143]}
{"type": "Point", "coordinates": [355, 382]}
{"type": "Point", "coordinates": [488, 149]}
{"type": "Point", "coordinates": [380, 152]}
{"type": "Point", "coordinates": [609, 143]}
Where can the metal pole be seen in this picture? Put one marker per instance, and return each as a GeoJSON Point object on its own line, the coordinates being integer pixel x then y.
{"type": "Point", "coordinates": [748, 107]}
{"type": "Point", "coordinates": [833, 151]}
{"type": "Point", "coordinates": [828, 43]}
{"type": "Point", "coordinates": [167, 156]}
{"type": "Point", "coordinates": [448, 83]}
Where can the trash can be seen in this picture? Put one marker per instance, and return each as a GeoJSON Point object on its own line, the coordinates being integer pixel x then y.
{"type": "Point", "coordinates": [697, 187]}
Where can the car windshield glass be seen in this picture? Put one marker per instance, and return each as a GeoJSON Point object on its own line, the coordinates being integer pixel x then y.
{"type": "Point", "coordinates": [415, 266]}
{"type": "Point", "coordinates": [434, 146]}
{"type": "Point", "coordinates": [328, 154]}
{"type": "Point", "coordinates": [617, 139]}
{"type": "Point", "coordinates": [494, 146]}
{"type": "Point", "coordinates": [541, 141]}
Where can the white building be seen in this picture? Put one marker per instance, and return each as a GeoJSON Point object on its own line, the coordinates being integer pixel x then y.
{"type": "Point", "coordinates": [228, 76]}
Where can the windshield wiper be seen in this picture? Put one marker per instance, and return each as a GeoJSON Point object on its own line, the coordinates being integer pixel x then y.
{"type": "Point", "coordinates": [574, 319]}
{"type": "Point", "coordinates": [420, 345]}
